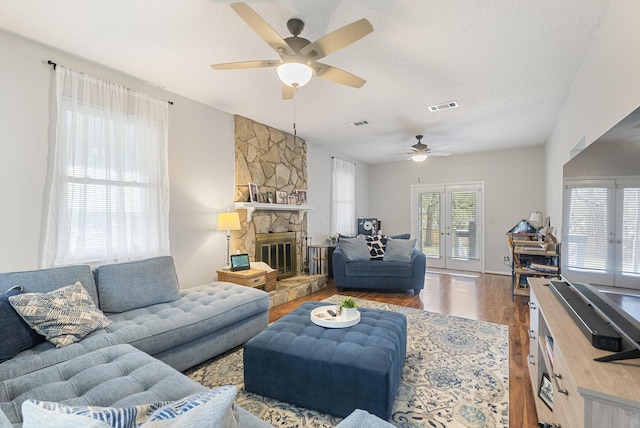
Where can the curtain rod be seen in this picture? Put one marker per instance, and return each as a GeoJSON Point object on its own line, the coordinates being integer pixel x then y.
{"type": "Point", "coordinates": [54, 65]}
{"type": "Point", "coordinates": [333, 157]}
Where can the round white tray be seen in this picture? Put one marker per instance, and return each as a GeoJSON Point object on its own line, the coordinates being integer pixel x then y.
{"type": "Point", "coordinates": [321, 317]}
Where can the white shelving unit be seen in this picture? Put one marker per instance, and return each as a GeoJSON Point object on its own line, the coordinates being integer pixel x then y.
{"type": "Point", "coordinates": [253, 206]}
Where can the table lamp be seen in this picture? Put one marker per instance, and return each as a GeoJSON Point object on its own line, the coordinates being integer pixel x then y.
{"type": "Point", "coordinates": [228, 221]}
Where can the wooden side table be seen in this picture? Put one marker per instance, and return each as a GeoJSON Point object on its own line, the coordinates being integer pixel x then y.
{"type": "Point", "coordinates": [255, 278]}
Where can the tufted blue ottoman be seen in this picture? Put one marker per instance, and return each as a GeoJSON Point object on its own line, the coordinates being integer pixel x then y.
{"type": "Point", "coordinates": [330, 370]}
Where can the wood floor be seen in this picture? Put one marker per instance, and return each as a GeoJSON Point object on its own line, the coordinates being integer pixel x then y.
{"type": "Point", "coordinates": [475, 296]}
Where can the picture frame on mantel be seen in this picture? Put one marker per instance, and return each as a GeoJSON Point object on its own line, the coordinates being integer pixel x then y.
{"type": "Point", "coordinates": [253, 192]}
{"type": "Point", "coordinates": [302, 197]}
{"type": "Point", "coordinates": [281, 197]}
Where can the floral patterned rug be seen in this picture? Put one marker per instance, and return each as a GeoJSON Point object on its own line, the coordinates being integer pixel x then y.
{"type": "Point", "coordinates": [456, 374]}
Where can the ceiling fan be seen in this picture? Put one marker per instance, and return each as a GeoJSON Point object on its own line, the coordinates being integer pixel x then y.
{"type": "Point", "coordinates": [420, 151]}
{"type": "Point", "coordinates": [299, 57]}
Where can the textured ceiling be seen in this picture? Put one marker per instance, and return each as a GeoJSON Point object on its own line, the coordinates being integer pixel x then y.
{"type": "Point", "coordinates": [508, 64]}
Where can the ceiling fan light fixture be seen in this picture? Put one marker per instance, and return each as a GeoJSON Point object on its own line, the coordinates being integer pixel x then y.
{"type": "Point", "coordinates": [420, 157]}
{"type": "Point", "coordinates": [295, 74]}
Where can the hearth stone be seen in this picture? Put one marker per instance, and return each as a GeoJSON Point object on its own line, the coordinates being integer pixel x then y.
{"type": "Point", "coordinates": [295, 287]}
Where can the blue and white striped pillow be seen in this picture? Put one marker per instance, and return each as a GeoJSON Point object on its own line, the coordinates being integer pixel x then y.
{"type": "Point", "coordinates": [213, 408]}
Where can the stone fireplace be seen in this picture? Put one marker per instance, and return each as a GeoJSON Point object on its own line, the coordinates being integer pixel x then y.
{"type": "Point", "coordinates": [274, 161]}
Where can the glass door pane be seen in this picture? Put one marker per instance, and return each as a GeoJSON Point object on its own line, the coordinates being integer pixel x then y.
{"type": "Point", "coordinates": [628, 236]}
{"type": "Point", "coordinates": [588, 250]}
{"type": "Point", "coordinates": [463, 207]}
{"type": "Point", "coordinates": [429, 224]}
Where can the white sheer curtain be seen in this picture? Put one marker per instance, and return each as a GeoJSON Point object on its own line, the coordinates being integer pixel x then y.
{"type": "Point", "coordinates": [343, 210]}
{"type": "Point", "coordinates": [109, 180]}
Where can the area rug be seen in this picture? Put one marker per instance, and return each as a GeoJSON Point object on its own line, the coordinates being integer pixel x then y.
{"type": "Point", "coordinates": [456, 374]}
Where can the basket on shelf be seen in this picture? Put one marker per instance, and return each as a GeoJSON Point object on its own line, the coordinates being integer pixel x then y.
{"type": "Point", "coordinates": [271, 279]}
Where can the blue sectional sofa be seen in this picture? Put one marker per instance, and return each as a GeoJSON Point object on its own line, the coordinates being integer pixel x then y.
{"type": "Point", "coordinates": [156, 330]}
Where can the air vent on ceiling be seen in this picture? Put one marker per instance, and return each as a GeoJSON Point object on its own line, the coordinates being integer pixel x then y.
{"type": "Point", "coordinates": [445, 106]}
{"type": "Point", "coordinates": [359, 123]}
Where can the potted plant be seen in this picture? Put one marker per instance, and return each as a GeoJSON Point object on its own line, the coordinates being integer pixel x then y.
{"type": "Point", "coordinates": [348, 308]}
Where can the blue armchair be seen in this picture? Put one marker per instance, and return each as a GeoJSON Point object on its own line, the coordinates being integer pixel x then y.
{"type": "Point", "coordinates": [379, 274]}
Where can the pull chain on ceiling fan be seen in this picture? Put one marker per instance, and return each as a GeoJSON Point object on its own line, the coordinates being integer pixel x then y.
{"type": "Point", "coordinates": [299, 57]}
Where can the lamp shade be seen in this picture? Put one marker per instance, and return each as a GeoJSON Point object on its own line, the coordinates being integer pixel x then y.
{"type": "Point", "coordinates": [536, 217]}
{"type": "Point", "coordinates": [295, 74]}
{"type": "Point", "coordinates": [419, 157]}
{"type": "Point", "coordinates": [228, 221]}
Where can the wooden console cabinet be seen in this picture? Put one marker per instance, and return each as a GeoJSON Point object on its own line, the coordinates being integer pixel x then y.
{"type": "Point", "coordinates": [586, 393]}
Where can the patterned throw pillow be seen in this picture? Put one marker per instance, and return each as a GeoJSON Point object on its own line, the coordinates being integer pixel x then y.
{"type": "Point", "coordinates": [64, 316]}
{"type": "Point", "coordinates": [213, 408]}
{"type": "Point", "coordinates": [376, 245]}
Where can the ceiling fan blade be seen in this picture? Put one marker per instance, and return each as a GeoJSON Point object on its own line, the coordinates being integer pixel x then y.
{"type": "Point", "coordinates": [338, 39]}
{"type": "Point", "coordinates": [245, 64]}
{"type": "Point", "coordinates": [337, 75]}
{"type": "Point", "coordinates": [288, 92]}
{"type": "Point", "coordinates": [263, 29]}
{"type": "Point", "coordinates": [439, 154]}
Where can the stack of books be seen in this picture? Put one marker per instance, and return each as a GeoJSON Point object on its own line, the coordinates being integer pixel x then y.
{"type": "Point", "coordinates": [542, 268]}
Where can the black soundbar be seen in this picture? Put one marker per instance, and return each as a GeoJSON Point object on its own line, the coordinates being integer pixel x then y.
{"type": "Point", "coordinates": [595, 328]}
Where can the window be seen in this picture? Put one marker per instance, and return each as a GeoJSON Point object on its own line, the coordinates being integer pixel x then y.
{"type": "Point", "coordinates": [109, 194]}
{"type": "Point", "coordinates": [343, 214]}
{"type": "Point", "coordinates": [601, 232]}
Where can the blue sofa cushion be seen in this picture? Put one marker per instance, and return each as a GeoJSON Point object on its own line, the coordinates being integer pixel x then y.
{"type": "Point", "coordinates": [213, 408]}
{"type": "Point", "coordinates": [355, 249]}
{"type": "Point", "coordinates": [15, 334]}
{"type": "Point", "coordinates": [201, 311]}
{"type": "Point", "coordinates": [45, 280]}
{"type": "Point", "coordinates": [401, 236]}
{"type": "Point", "coordinates": [399, 250]}
{"type": "Point", "coordinates": [126, 286]}
{"type": "Point", "coordinates": [115, 376]}
{"type": "Point", "coordinates": [379, 269]}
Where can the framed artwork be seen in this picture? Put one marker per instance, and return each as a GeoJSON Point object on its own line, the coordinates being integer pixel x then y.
{"type": "Point", "coordinates": [281, 197]}
{"type": "Point", "coordinates": [270, 198]}
{"type": "Point", "coordinates": [302, 197]}
{"type": "Point", "coordinates": [253, 192]}
{"type": "Point", "coordinates": [262, 198]}
{"type": "Point", "coordinates": [293, 199]}
{"type": "Point", "coordinates": [546, 390]}
{"type": "Point", "coordinates": [240, 262]}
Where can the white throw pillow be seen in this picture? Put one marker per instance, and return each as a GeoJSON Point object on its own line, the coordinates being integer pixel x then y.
{"type": "Point", "coordinates": [213, 408]}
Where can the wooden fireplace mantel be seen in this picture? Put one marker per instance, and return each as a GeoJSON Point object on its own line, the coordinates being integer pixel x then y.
{"type": "Point", "coordinates": [253, 206]}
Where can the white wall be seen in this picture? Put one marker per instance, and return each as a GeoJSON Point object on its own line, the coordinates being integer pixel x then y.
{"type": "Point", "coordinates": [320, 191]}
{"type": "Point", "coordinates": [513, 189]}
{"type": "Point", "coordinates": [606, 90]}
{"type": "Point", "coordinates": [200, 162]}
{"type": "Point", "coordinates": [201, 159]}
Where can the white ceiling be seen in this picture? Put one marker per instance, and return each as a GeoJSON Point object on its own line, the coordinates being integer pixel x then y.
{"type": "Point", "coordinates": [508, 63]}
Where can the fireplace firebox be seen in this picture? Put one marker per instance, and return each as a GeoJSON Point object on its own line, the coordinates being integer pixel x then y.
{"type": "Point", "coordinates": [278, 250]}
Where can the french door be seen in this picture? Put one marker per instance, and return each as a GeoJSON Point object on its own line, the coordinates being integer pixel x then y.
{"type": "Point", "coordinates": [446, 220]}
{"type": "Point", "coordinates": [601, 229]}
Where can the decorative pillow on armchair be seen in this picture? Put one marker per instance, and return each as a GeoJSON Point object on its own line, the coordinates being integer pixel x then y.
{"type": "Point", "coordinates": [64, 316]}
{"type": "Point", "coordinates": [376, 245]}
{"type": "Point", "coordinates": [354, 249]}
{"type": "Point", "coordinates": [399, 250]}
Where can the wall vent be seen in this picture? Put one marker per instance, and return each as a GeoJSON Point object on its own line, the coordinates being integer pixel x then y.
{"type": "Point", "coordinates": [444, 106]}
{"type": "Point", "coordinates": [359, 123]}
